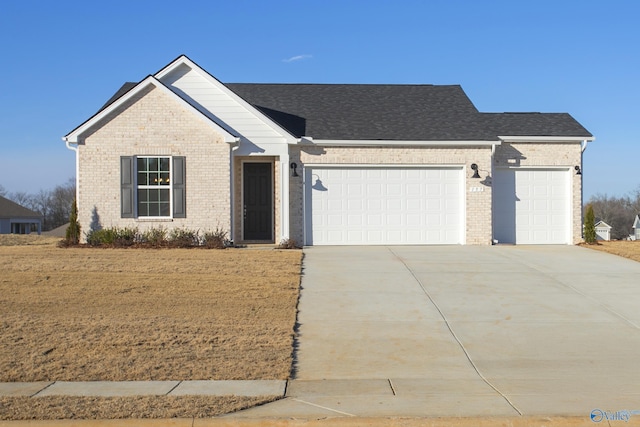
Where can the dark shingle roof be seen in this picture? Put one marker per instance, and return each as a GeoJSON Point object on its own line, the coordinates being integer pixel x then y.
{"type": "Point", "coordinates": [10, 209]}
{"type": "Point", "coordinates": [534, 124]}
{"type": "Point", "coordinates": [123, 89]}
{"type": "Point", "coordinates": [362, 112]}
{"type": "Point", "coordinates": [390, 112]}
{"type": "Point", "coordinates": [394, 112]}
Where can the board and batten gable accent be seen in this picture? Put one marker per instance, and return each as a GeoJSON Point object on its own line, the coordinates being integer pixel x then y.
{"type": "Point", "coordinates": [214, 99]}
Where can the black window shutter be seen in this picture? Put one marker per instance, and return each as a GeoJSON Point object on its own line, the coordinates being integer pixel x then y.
{"type": "Point", "coordinates": [179, 188]}
{"type": "Point", "coordinates": [127, 207]}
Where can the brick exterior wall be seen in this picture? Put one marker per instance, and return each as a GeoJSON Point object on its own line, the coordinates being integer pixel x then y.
{"type": "Point", "coordinates": [561, 155]}
{"type": "Point", "coordinates": [152, 123]}
{"type": "Point", "coordinates": [478, 203]}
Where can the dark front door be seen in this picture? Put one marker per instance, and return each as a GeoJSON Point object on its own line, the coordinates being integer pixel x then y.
{"type": "Point", "coordinates": [258, 201]}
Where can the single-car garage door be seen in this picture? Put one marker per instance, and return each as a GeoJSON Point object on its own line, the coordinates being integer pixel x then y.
{"type": "Point", "coordinates": [531, 206]}
{"type": "Point", "coordinates": [383, 205]}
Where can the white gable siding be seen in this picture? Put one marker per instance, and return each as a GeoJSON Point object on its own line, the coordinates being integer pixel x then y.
{"type": "Point", "coordinates": [219, 104]}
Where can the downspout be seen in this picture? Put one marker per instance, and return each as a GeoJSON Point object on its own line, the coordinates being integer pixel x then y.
{"type": "Point", "coordinates": [583, 146]}
{"type": "Point", "coordinates": [284, 196]}
{"type": "Point", "coordinates": [75, 149]}
{"type": "Point", "coordinates": [493, 152]}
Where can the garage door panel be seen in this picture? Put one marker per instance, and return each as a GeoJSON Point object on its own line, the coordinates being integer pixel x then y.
{"type": "Point", "coordinates": [531, 206]}
{"type": "Point", "coordinates": [384, 205]}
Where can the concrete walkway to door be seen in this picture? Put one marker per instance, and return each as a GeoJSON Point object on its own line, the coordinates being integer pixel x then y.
{"type": "Point", "coordinates": [464, 331]}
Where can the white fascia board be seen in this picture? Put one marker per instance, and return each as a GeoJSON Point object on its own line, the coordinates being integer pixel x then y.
{"type": "Point", "coordinates": [536, 139]}
{"type": "Point", "coordinates": [393, 143]}
{"type": "Point", "coordinates": [72, 137]}
{"type": "Point", "coordinates": [183, 60]}
{"type": "Point", "coordinates": [602, 224]}
{"type": "Point", "coordinates": [384, 165]}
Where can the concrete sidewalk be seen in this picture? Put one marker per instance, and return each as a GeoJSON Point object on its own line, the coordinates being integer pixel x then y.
{"type": "Point", "coordinates": [144, 388]}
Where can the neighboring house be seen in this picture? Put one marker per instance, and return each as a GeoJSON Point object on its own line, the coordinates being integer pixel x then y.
{"type": "Point", "coordinates": [603, 231]}
{"type": "Point", "coordinates": [635, 229]}
{"type": "Point", "coordinates": [16, 219]}
{"type": "Point", "coordinates": [327, 164]}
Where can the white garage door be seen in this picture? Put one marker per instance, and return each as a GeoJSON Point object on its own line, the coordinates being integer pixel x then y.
{"type": "Point", "coordinates": [531, 206]}
{"type": "Point", "coordinates": [374, 206]}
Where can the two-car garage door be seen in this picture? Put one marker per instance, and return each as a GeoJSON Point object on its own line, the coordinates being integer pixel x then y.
{"type": "Point", "coordinates": [383, 205]}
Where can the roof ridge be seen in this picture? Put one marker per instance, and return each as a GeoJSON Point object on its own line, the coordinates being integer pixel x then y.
{"type": "Point", "coordinates": [344, 84]}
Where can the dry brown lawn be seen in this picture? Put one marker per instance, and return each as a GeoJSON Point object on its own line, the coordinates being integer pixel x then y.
{"type": "Point", "coordinates": [83, 314]}
{"type": "Point", "coordinates": [624, 248]}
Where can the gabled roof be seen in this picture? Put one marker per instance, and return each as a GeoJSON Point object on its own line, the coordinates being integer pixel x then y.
{"type": "Point", "coordinates": [10, 209]}
{"type": "Point", "coordinates": [352, 112]}
{"type": "Point", "coordinates": [602, 224]}
{"type": "Point", "coordinates": [636, 221]}
{"type": "Point", "coordinates": [129, 90]}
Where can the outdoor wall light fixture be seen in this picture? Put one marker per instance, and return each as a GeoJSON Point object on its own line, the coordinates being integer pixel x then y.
{"type": "Point", "coordinates": [474, 168]}
{"type": "Point", "coordinates": [294, 169]}
{"type": "Point", "coordinates": [578, 170]}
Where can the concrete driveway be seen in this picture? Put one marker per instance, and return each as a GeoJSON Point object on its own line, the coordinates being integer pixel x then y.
{"type": "Point", "coordinates": [465, 331]}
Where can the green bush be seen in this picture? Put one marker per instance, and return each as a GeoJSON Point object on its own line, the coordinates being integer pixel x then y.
{"type": "Point", "coordinates": [104, 236]}
{"type": "Point", "coordinates": [155, 237]}
{"type": "Point", "coordinates": [590, 226]}
{"type": "Point", "coordinates": [114, 236]}
{"type": "Point", "coordinates": [72, 235]}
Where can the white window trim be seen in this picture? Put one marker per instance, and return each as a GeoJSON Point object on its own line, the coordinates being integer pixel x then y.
{"type": "Point", "coordinates": [144, 187]}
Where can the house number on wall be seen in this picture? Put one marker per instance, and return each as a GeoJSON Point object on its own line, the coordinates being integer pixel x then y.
{"type": "Point", "coordinates": [476, 189]}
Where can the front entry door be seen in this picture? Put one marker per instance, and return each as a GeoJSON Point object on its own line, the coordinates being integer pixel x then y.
{"type": "Point", "coordinates": [258, 201]}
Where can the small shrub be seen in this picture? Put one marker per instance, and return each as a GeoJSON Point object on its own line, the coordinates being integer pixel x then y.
{"type": "Point", "coordinates": [216, 239]}
{"type": "Point", "coordinates": [125, 236]}
{"type": "Point", "coordinates": [590, 226]}
{"type": "Point", "coordinates": [105, 236]}
{"type": "Point", "coordinates": [155, 237]}
{"type": "Point", "coordinates": [288, 244]}
{"type": "Point", "coordinates": [183, 238]}
{"type": "Point", "coordinates": [113, 236]}
{"type": "Point", "coordinates": [72, 235]}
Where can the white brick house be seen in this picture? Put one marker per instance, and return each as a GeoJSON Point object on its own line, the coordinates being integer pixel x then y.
{"type": "Point", "coordinates": [327, 164]}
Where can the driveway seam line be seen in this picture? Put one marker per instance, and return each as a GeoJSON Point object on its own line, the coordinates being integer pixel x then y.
{"type": "Point", "coordinates": [453, 334]}
{"type": "Point", "coordinates": [393, 390]}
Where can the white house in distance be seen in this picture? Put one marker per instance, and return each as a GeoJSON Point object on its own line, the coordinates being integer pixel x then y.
{"type": "Point", "coordinates": [327, 164]}
{"type": "Point", "coordinates": [635, 229]}
{"type": "Point", "coordinates": [603, 231]}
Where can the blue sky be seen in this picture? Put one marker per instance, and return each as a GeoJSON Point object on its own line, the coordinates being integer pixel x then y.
{"type": "Point", "coordinates": [62, 60]}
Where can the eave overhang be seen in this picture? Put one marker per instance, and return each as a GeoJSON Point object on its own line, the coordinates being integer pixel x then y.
{"type": "Point", "coordinates": [394, 143]}
{"type": "Point", "coordinates": [546, 139]}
